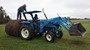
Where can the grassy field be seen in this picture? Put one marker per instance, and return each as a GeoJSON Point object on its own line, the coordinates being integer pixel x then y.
{"type": "Point", "coordinates": [66, 43]}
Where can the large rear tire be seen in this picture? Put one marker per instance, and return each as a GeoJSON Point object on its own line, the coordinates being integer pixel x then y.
{"type": "Point", "coordinates": [49, 36]}
{"type": "Point", "coordinates": [26, 32]}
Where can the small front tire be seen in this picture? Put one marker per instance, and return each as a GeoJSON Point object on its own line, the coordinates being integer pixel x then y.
{"type": "Point", "coordinates": [60, 34]}
{"type": "Point", "coordinates": [50, 36]}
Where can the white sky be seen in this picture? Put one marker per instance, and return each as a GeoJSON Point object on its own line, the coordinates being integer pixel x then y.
{"type": "Point", "coordinates": [68, 8]}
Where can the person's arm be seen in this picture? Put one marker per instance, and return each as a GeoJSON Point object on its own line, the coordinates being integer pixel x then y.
{"type": "Point", "coordinates": [25, 9]}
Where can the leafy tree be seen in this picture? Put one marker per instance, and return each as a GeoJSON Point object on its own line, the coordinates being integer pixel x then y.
{"type": "Point", "coordinates": [4, 18]}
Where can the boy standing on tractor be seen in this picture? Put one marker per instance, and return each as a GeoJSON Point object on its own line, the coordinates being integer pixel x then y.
{"type": "Point", "coordinates": [20, 10]}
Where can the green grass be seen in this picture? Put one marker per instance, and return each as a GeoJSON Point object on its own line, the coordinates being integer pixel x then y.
{"type": "Point", "coordinates": [66, 43]}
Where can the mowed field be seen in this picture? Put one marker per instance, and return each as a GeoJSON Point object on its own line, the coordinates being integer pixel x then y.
{"type": "Point", "coordinates": [66, 43]}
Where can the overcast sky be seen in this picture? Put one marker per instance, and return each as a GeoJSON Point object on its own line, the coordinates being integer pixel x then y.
{"type": "Point", "coordinates": [68, 8]}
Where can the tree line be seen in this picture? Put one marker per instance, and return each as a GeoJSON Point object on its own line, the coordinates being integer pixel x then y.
{"type": "Point", "coordinates": [4, 18]}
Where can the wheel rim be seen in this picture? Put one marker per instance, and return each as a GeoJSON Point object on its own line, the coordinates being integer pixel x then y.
{"type": "Point", "coordinates": [48, 36]}
{"type": "Point", "coordinates": [24, 33]}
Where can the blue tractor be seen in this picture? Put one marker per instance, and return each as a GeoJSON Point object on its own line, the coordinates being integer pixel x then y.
{"type": "Point", "coordinates": [50, 28]}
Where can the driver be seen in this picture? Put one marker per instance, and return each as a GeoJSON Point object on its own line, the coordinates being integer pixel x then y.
{"type": "Point", "coordinates": [35, 19]}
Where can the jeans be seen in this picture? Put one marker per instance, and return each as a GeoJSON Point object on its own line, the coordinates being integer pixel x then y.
{"type": "Point", "coordinates": [19, 15]}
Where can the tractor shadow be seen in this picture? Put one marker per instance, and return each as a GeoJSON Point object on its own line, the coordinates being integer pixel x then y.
{"type": "Point", "coordinates": [78, 42]}
{"type": "Point", "coordinates": [72, 42]}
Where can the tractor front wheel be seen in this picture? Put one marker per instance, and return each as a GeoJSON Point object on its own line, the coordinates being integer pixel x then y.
{"type": "Point", "coordinates": [49, 36]}
{"type": "Point", "coordinates": [26, 32]}
{"type": "Point", "coordinates": [60, 34]}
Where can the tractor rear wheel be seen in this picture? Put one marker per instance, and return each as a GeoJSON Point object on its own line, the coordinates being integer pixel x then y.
{"type": "Point", "coordinates": [60, 34]}
{"type": "Point", "coordinates": [49, 36]}
{"type": "Point", "coordinates": [26, 32]}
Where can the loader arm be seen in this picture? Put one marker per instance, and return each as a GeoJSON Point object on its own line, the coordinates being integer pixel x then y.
{"type": "Point", "coordinates": [73, 29]}
{"type": "Point", "coordinates": [60, 21]}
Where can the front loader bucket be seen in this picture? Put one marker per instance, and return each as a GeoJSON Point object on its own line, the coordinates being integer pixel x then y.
{"type": "Point", "coordinates": [77, 30]}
